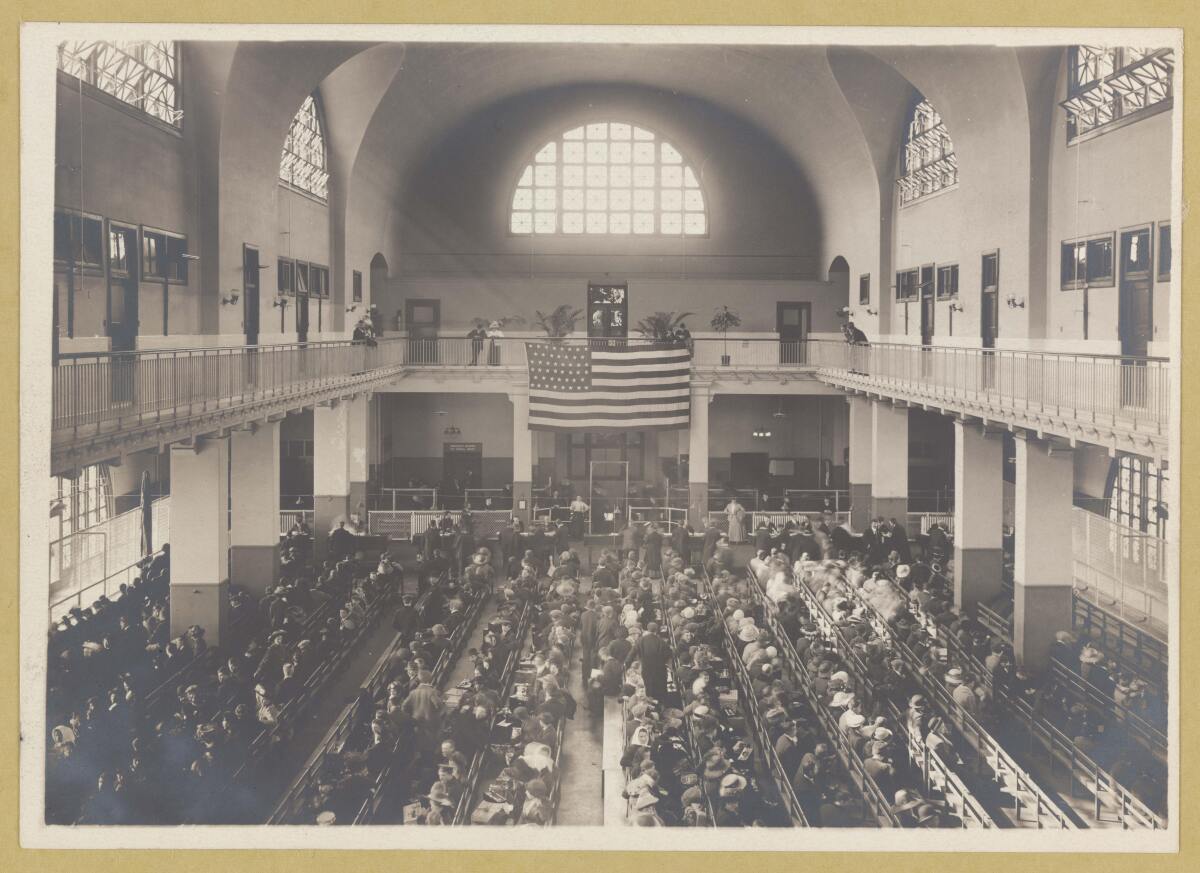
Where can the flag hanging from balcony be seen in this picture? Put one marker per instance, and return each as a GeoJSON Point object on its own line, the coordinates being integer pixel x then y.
{"type": "Point", "coordinates": [629, 388]}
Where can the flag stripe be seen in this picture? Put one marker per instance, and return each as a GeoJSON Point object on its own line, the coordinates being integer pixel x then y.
{"type": "Point", "coordinates": [610, 416]}
{"type": "Point", "coordinates": [605, 408]}
{"type": "Point", "coordinates": [631, 393]}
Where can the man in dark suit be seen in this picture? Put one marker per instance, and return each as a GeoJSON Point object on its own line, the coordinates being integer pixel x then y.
{"type": "Point", "coordinates": [654, 654]}
{"type": "Point", "coordinates": [510, 543]}
{"type": "Point", "coordinates": [341, 542]}
{"type": "Point", "coordinates": [681, 542]}
{"type": "Point", "coordinates": [589, 621]}
{"type": "Point", "coordinates": [711, 535]}
{"type": "Point", "coordinates": [654, 541]}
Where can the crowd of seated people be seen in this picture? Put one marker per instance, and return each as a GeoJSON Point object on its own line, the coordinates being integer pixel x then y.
{"type": "Point", "coordinates": [119, 759]}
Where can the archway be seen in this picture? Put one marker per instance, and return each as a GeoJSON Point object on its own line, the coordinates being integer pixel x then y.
{"type": "Point", "coordinates": [839, 278]}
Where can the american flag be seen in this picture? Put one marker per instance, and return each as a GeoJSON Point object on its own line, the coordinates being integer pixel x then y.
{"type": "Point", "coordinates": [631, 388]}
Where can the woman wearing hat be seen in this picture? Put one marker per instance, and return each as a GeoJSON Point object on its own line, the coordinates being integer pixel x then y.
{"type": "Point", "coordinates": [730, 794]}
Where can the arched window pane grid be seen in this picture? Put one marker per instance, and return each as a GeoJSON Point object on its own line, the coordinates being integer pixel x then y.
{"type": "Point", "coordinates": [1109, 83]}
{"type": "Point", "coordinates": [144, 74]}
{"type": "Point", "coordinates": [1137, 495]}
{"type": "Point", "coordinates": [305, 163]}
{"type": "Point", "coordinates": [929, 162]}
{"type": "Point", "coordinates": [608, 178]}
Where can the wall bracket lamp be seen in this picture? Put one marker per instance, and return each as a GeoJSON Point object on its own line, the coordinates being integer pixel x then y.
{"type": "Point", "coordinates": [233, 297]}
{"type": "Point", "coordinates": [1015, 302]}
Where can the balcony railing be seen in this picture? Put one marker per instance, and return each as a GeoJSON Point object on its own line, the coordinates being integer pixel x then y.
{"type": "Point", "coordinates": [132, 387]}
{"type": "Point", "coordinates": [109, 391]}
{"type": "Point", "coordinates": [1123, 393]}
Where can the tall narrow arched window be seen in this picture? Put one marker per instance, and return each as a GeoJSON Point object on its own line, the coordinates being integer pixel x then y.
{"type": "Point", "coordinates": [305, 161]}
{"type": "Point", "coordinates": [608, 178]}
{"type": "Point", "coordinates": [1137, 494]}
{"type": "Point", "coordinates": [929, 164]}
{"type": "Point", "coordinates": [144, 73]}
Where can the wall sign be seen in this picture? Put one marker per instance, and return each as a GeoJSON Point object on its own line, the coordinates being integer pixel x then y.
{"type": "Point", "coordinates": [608, 309]}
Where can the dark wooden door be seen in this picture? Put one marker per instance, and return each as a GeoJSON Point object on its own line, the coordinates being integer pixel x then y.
{"type": "Point", "coordinates": [927, 310]}
{"type": "Point", "coordinates": [792, 321]}
{"type": "Point", "coordinates": [250, 295]}
{"type": "Point", "coordinates": [423, 319]}
{"type": "Point", "coordinates": [122, 318]}
{"type": "Point", "coordinates": [302, 318]}
{"type": "Point", "coordinates": [1137, 299]}
{"type": "Point", "coordinates": [989, 314]}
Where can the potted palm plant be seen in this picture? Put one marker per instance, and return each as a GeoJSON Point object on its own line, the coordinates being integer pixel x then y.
{"type": "Point", "coordinates": [661, 326]}
{"type": "Point", "coordinates": [559, 322]}
{"type": "Point", "coordinates": [723, 321]}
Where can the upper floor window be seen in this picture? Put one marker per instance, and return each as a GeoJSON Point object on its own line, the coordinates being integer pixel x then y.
{"type": "Point", "coordinates": [144, 74]}
{"type": "Point", "coordinates": [608, 178]}
{"type": "Point", "coordinates": [305, 161]}
{"type": "Point", "coordinates": [929, 162]}
{"type": "Point", "coordinates": [1137, 494]}
{"type": "Point", "coordinates": [1111, 83]}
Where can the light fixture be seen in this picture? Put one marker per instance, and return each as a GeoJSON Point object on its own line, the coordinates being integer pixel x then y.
{"type": "Point", "coordinates": [1015, 302]}
{"type": "Point", "coordinates": [762, 434]}
{"type": "Point", "coordinates": [955, 306]}
{"type": "Point", "coordinates": [280, 302]}
{"type": "Point", "coordinates": [845, 312]}
{"type": "Point", "coordinates": [871, 311]}
{"type": "Point", "coordinates": [779, 413]}
{"type": "Point", "coordinates": [188, 256]}
{"type": "Point", "coordinates": [352, 308]}
{"type": "Point", "coordinates": [232, 298]}
{"type": "Point", "coordinates": [451, 431]}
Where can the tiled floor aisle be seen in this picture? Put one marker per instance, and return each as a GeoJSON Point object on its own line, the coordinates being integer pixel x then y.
{"type": "Point", "coordinates": [581, 802]}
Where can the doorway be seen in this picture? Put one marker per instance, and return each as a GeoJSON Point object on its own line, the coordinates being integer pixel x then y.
{"type": "Point", "coordinates": [424, 319]}
{"type": "Point", "coordinates": [792, 321]}
{"type": "Point", "coordinates": [122, 307]}
{"type": "Point", "coordinates": [462, 468]}
{"type": "Point", "coordinates": [927, 310]}
{"type": "Point", "coordinates": [250, 295]}
{"type": "Point", "coordinates": [1136, 313]}
{"type": "Point", "coordinates": [301, 318]}
{"type": "Point", "coordinates": [989, 314]}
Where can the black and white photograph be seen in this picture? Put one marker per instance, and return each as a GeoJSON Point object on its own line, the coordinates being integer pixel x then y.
{"type": "Point", "coordinates": [547, 432]}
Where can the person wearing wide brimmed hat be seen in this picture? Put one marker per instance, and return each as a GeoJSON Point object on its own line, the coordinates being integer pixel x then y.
{"type": "Point", "coordinates": [729, 793]}
{"type": "Point", "coordinates": [441, 805]}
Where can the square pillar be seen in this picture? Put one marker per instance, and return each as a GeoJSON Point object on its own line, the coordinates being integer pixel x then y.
{"type": "Point", "coordinates": [889, 461]}
{"type": "Point", "coordinates": [860, 465]}
{"type": "Point", "coordinates": [701, 397]}
{"type": "Point", "coordinates": [522, 485]}
{"type": "Point", "coordinates": [358, 411]}
{"type": "Point", "coordinates": [254, 531]}
{"type": "Point", "coordinates": [978, 516]}
{"type": "Point", "coordinates": [1043, 552]}
{"type": "Point", "coordinates": [200, 538]}
{"type": "Point", "coordinates": [331, 470]}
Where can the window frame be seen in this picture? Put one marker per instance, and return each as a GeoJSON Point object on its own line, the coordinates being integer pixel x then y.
{"type": "Point", "coordinates": [318, 280]}
{"type": "Point", "coordinates": [914, 274]}
{"type": "Point", "coordinates": [133, 109]}
{"type": "Point", "coordinates": [1133, 505]}
{"type": "Point", "coordinates": [288, 288]}
{"type": "Point", "coordinates": [180, 262]}
{"type": "Point", "coordinates": [864, 289]}
{"type": "Point", "coordinates": [938, 158]}
{"type": "Point", "coordinates": [943, 270]}
{"type": "Point", "coordinates": [324, 167]}
{"type": "Point", "coordinates": [1073, 284]}
{"type": "Point", "coordinates": [356, 286]}
{"type": "Point", "coordinates": [657, 188]}
{"type": "Point", "coordinates": [1110, 86]}
{"type": "Point", "coordinates": [301, 269]}
{"type": "Point", "coordinates": [1164, 249]}
{"type": "Point", "coordinates": [76, 219]}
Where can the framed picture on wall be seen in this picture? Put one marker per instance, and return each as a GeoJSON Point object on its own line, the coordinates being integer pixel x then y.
{"type": "Point", "coordinates": [608, 309]}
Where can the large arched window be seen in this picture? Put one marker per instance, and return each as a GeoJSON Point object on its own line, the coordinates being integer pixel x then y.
{"type": "Point", "coordinates": [608, 178]}
{"type": "Point", "coordinates": [929, 162]}
{"type": "Point", "coordinates": [144, 74]}
{"type": "Point", "coordinates": [1114, 83]}
{"type": "Point", "coordinates": [305, 161]}
{"type": "Point", "coordinates": [1137, 495]}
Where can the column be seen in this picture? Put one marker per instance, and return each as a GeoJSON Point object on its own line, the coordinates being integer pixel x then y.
{"type": "Point", "coordinates": [978, 515]}
{"type": "Point", "coordinates": [359, 413]}
{"type": "Point", "coordinates": [200, 538]}
{"type": "Point", "coordinates": [859, 471]}
{"type": "Point", "coordinates": [889, 461]}
{"type": "Point", "coordinates": [701, 396]}
{"type": "Point", "coordinates": [254, 525]}
{"type": "Point", "coordinates": [331, 470]}
{"type": "Point", "coordinates": [522, 486]}
{"type": "Point", "coordinates": [1043, 555]}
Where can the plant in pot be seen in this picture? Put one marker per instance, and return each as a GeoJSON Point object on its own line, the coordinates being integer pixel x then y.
{"type": "Point", "coordinates": [661, 326]}
{"type": "Point", "coordinates": [723, 321]}
{"type": "Point", "coordinates": [559, 322]}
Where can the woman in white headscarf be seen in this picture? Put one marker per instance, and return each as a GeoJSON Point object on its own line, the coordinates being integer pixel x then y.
{"type": "Point", "coordinates": [494, 335]}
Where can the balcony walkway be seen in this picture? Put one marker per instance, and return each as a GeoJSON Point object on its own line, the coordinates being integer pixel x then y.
{"type": "Point", "coordinates": [110, 404]}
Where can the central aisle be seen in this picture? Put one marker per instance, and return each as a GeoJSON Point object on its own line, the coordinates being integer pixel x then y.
{"type": "Point", "coordinates": [581, 801]}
